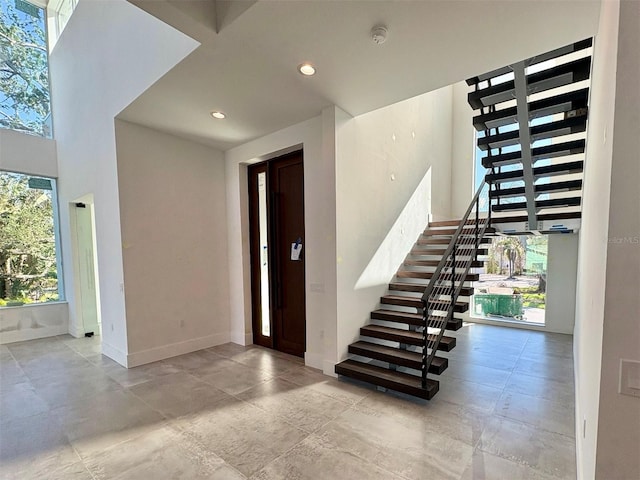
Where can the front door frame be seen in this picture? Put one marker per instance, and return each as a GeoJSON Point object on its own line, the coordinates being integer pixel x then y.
{"type": "Point", "coordinates": [255, 250]}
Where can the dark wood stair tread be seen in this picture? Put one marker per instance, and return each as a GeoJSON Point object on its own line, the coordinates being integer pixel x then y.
{"type": "Point", "coordinates": [396, 356]}
{"type": "Point", "coordinates": [416, 302]}
{"type": "Point", "coordinates": [414, 319]}
{"type": "Point", "coordinates": [435, 263]}
{"type": "Point", "coordinates": [469, 230]}
{"type": "Point", "coordinates": [470, 277]}
{"type": "Point", "coordinates": [405, 336]}
{"type": "Point", "coordinates": [541, 218]}
{"type": "Point", "coordinates": [564, 102]}
{"type": "Point", "coordinates": [566, 126]}
{"type": "Point", "coordinates": [420, 288]}
{"type": "Point", "coordinates": [538, 189]}
{"type": "Point", "coordinates": [401, 382]}
{"type": "Point", "coordinates": [558, 52]}
{"type": "Point", "coordinates": [538, 172]}
{"type": "Point", "coordinates": [551, 203]}
{"type": "Point", "coordinates": [555, 150]}
{"type": "Point", "coordinates": [564, 74]}
{"type": "Point", "coordinates": [445, 223]}
{"type": "Point", "coordinates": [433, 241]}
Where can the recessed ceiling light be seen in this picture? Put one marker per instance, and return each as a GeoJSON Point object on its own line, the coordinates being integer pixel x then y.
{"type": "Point", "coordinates": [217, 114]}
{"type": "Point", "coordinates": [307, 69]}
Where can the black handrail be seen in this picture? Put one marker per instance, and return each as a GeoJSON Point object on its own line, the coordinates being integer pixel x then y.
{"type": "Point", "coordinates": [450, 251]}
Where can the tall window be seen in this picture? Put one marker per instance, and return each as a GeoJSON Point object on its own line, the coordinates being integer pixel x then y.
{"type": "Point", "coordinates": [59, 12]}
{"type": "Point", "coordinates": [29, 266]}
{"type": "Point", "coordinates": [24, 69]}
{"type": "Point", "coordinates": [513, 285]}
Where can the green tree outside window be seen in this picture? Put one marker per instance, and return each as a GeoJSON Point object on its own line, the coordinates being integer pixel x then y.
{"type": "Point", "coordinates": [24, 70]}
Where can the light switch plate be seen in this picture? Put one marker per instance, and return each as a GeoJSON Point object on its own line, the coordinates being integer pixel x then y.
{"type": "Point", "coordinates": [629, 377]}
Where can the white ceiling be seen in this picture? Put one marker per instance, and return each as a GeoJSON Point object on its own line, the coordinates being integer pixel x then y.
{"type": "Point", "coordinates": [248, 69]}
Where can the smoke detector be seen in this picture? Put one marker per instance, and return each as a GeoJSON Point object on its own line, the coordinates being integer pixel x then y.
{"type": "Point", "coordinates": [379, 34]}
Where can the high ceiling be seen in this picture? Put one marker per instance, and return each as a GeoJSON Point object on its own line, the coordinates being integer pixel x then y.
{"type": "Point", "coordinates": [246, 64]}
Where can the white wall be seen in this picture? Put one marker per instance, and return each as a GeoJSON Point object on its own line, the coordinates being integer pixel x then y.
{"type": "Point", "coordinates": [592, 253]}
{"type": "Point", "coordinates": [174, 243]}
{"type": "Point", "coordinates": [27, 154]}
{"type": "Point", "coordinates": [393, 171]}
{"type": "Point", "coordinates": [108, 54]}
{"type": "Point", "coordinates": [33, 321]}
{"type": "Point", "coordinates": [462, 151]}
{"type": "Point", "coordinates": [319, 191]}
{"type": "Point", "coordinates": [562, 266]}
{"type": "Point", "coordinates": [618, 451]}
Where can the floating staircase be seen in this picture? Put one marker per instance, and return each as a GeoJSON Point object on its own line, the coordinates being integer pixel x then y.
{"type": "Point", "coordinates": [532, 123]}
{"type": "Point", "coordinates": [390, 352]}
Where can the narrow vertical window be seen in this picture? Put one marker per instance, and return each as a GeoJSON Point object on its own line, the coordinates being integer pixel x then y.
{"type": "Point", "coordinates": [264, 254]}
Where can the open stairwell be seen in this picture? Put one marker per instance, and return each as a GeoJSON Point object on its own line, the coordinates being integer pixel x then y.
{"type": "Point", "coordinates": [390, 352]}
{"type": "Point", "coordinates": [531, 122]}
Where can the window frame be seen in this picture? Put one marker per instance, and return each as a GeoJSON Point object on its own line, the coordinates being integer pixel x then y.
{"type": "Point", "coordinates": [55, 212]}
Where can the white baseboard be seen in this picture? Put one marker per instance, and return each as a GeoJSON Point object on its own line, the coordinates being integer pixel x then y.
{"type": "Point", "coordinates": [32, 334]}
{"type": "Point", "coordinates": [313, 360]}
{"type": "Point", "coordinates": [328, 368]}
{"type": "Point", "coordinates": [167, 351]}
{"type": "Point", "coordinates": [241, 338]}
{"type": "Point", "coordinates": [75, 331]}
{"type": "Point", "coordinates": [114, 354]}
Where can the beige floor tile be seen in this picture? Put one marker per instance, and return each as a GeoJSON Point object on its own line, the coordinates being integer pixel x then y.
{"type": "Point", "coordinates": [105, 420]}
{"type": "Point", "coordinates": [128, 377]}
{"type": "Point", "coordinates": [540, 387]}
{"type": "Point", "coordinates": [32, 445]}
{"type": "Point", "coordinates": [160, 453]}
{"type": "Point", "coordinates": [459, 422]}
{"type": "Point", "coordinates": [64, 363]}
{"type": "Point", "coordinates": [65, 388]}
{"type": "Point", "coordinates": [496, 359]}
{"type": "Point", "coordinates": [471, 372]}
{"type": "Point", "coordinates": [484, 466]}
{"type": "Point", "coordinates": [550, 453]}
{"type": "Point", "coordinates": [231, 377]}
{"type": "Point", "coordinates": [182, 418]}
{"type": "Point", "coordinates": [178, 394]}
{"type": "Point", "coordinates": [546, 414]}
{"type": "Point", "coordinates": [301, 406]}
{"type": "Point", "coordinates": [553, 368]}
{"type": "Point", "coordinates": [37, 470]}
{"type": "Point", "coordinates": [404, 448]}
{"type": "Point", "coordinates": [20, 400]}
{"type": "Point", "coordinates": [269, 361]}
{"type": "Point", "coordinates": [243, 435]}
{"type": "Point", "coordinates": [84, 346]}
{"type": "Point", "coordinates": [11, 373]}
{"type": "Point", "coordinates": [230, 349]}
{"type": "Point", "coordinates": [23, 351]}
{"type": "Point", "coordinates": [194, 360]}
{"type": "Point", "coordinates": [342, 390]}
{"type": "Point", "coordinates": [317, 458]}
{"type": "Point", "coordinates": [475, 396]}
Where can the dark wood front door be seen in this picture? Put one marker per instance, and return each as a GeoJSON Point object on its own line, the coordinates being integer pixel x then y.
{"type": "Point", "coordinates": [276, 215]}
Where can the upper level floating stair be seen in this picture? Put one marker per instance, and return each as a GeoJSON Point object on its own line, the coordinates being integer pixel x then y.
{"type": "Point", "coordinates": [532, 123]}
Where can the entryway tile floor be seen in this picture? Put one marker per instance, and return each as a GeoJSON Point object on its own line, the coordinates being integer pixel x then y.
{"type": "Point", "coordinates": [504, 411]}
